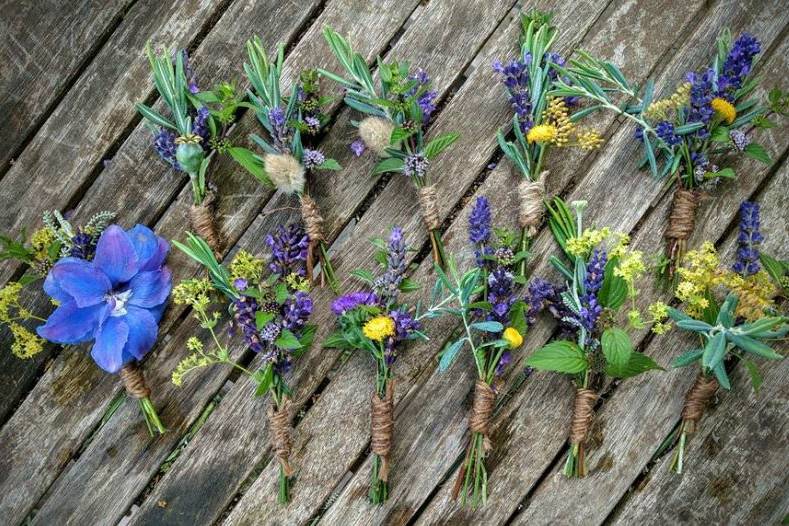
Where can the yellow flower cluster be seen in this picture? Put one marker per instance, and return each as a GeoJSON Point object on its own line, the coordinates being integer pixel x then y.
{"type": "Point", "coordinates": [631, 267]}
{"type": "Point", "coordinates": [542, 133]}
{"type": "Point", "coordinates": [724, 109]}
{"type": "Point", "coordinates": [379, 328]}
{"type": "Point", "coordinates": [582, 246]}
{"type": "Point", "coordinates": [620, 245]}
{"type": "Point", "coordinates": [756, 294]}
{"type": "Point", "coordinates": [193, 292]}
{"type": "Point", "coordinates": [698, 276]}
{"type": "Point", "coordinates": [659, 109]}
{"type": "Point", "coordinates": [26, 343]}
{"type": "Point", "coordinates": [658, 311]}
{"type": "Point", "coordinates": [557, 128]}
{"type": "Point", "coordinates": [589, 140]}
{"type": "Point", "coordinates": [297, 283]}
{"type": "Point", "coordinates": [40, 242]}
{"type": "Point", "coordinates": [246, 266]}
{"type": "Point", "coordinates": [557, 115]}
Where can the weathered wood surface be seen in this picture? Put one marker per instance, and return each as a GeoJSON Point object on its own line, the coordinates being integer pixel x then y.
{"type": "Point", "coordinates": [61, 459]}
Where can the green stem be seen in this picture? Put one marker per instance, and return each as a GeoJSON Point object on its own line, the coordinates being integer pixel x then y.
{"type": "Point", "coordinates": [151, 417]}
{"type": "Point", "coordinates": [327, 269]}
{"type": "Point", "coordinates": [283, 496]}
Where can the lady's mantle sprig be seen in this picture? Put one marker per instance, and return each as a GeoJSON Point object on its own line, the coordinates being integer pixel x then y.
{"type": "Point", "coordinates": [270, 309]}
{"type": "Point", "coordinates": [733, 312]}
{"type": "Point", "coordinates": [195, 130]}
{"type": "Point", "coordinates": [397, 113]}
{"type": "Point", "coordinates": [539, 122]}
{"type": "Point", "coordinates": [703, 122]}
{"type": "Point", "coordinates": [374, 321]}
{"type": "Point", "coordinates": [291, 123]}
{"type": "Point", "coordinates": [494, 325]}
{"type": "Point", "coordinates": [599, 280]}
{"type": "Point", "coordinates": [114, 297]}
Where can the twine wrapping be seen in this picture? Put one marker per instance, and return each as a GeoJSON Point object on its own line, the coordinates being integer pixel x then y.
{"type": "Point", "coordinates": [482, 410]}
{"type": "Point", "coordinates": [428, 203]}
{"type": "Point", "coordinates": [313, 224]}
{"type": "Point", "coordinates": [381, 427]}
{"type": "Point", "coordinates": [582, 415]}
{"type": "Point", "coordinates": [203, 221]}
{"type": "Point", "coordinates": [134, 381]}
{"type": "Point", "coordinates": [696, 400]}
{"type": "Point", "coordinates": [682, 219]}
{"type": "Point", "coordinates": [281, 441]}
{"type": "Point", "coordinates": [530, 195]}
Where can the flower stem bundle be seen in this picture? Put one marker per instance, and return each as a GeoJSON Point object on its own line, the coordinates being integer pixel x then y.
{"type": "Point", "coordinates": [397, 114]}
{"type": "Point", "coordinates": [600, 275]}
{"type": "Point", "coordinates": [704, 122]}
{"type": "Point", "coordinates": [375, 321]}
{"type": "Point", "coordinates": [269, 309]}
{"type": "Point", "coordinates": [733, 313]}
{"type": "Point", "coordinates": [291, 123]}
{"type": "Point", "coordinates": [110, 287]}
{"type": "Point", "coordinates": [539, 122]}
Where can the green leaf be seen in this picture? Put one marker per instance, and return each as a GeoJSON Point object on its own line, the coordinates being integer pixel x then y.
{"type": "Point", "coordinates": [721, 135]}
{"type": "Point", "coordinates": [637, 364]}
{"type": "Point", "coordinates": [439, 144]}
{"type": "Point", "coordinates": [155, 117]}
{"type": "Point", "coordinates": [409, 285]}
{"type": "Point", "coordinates": [714, 351]}
{"type": "Point", "coordinates": [726, 313]}
{"type": "Point", "coordinates": [726, 173]}
{"type": "Point", "coordinates": [364, 275]}
{"type": "Point", "coordinates": [265, 378]}
{"type": "Point", "coordinates": [336, 340]}
{"type": "Point", "coordinates": [306, 339]}
{"type": "Point", "coordinates": [330, 164]}
{"type": "Point", "coordinates": [281, 293]}
{"type": "Point", "coordinates": [774, 268]}
{"type": "Point", "coordinates": [748, 344]}
{"type": "Point", "coordinates": [617, 347]}
{"type": "Point", "coordinates": [694, 325]}
{"type": "Point", "coordinates": [518, 318]}
{"type": "Point", "coordinates": [723, 378]}
{"type": "Point", "coordinates": [251, 163]}
{"type": "Point", "coordinates": [687, 358]}
{"type": "Point", "coordinates": [400, 133]}
{"type": "Point", "coordinates": [613, 291]}
{"type": "Point", "coordinates": [757, 151]}
{"type": "Point", "coordinates": [390, 164]}
{"type": "Point", "coordinates": [287, 340]}
{"type": "Point", "coordinates": [561, 356]}
{"type": "Point", "coordinates": [263, 318]}
{"type": "Point", "coordinates": [449, 353]}
{"type": "Point", "coordinates": [753, 372]}
{"type": "Point", "coordinates": [488, 326]}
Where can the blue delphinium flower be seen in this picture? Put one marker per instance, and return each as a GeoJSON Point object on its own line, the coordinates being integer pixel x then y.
{"type": "Point", "coordinates": [117, 299]}
{"type": "Point", "coordinates": [288, 246]}
{"type": "Point", "coordinates": [749, 240]}
{"type": "Point", "coordinates": [738, 65]}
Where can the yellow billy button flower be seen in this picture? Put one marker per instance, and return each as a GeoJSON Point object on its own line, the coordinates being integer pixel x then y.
{"type": "Point", "coordinates": [379, 328]}
{"type": "Point", "coordinates": [513, 337]}
{"type": "Point", "coordinates": [541, 133]}
{"type": "Point", "coordinates": [724, 109]}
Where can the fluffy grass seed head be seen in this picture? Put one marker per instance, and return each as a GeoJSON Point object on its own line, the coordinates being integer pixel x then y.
{"type": "Point", "coordinates": [379, 328]}
{"type": "Point", "coordinates": [724, 109]}
{"type": "Point", "coordinates": [376, 133]}
{"type": "Point", "coordinates": [285, 172]}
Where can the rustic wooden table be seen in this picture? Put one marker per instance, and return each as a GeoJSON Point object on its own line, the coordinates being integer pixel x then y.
{"type": "Point", "coordinates": [71, 72]}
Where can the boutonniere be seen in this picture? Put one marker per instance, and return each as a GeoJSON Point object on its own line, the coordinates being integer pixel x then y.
{"type": "Point", "coordinates": [733, 313]}
{"type": "Point", "coordinates": [292, 123]}
{"type": "Point", "coordinates": [374, 321]}
{"type": "Point", "coordinates": [193, 132]}
{"type": "Point", "coordinates": [397, 113]}
{"type": "Point", "coordinates": [270, 306]}
{"type": "Point", "coordinates": [695, 132]}
{"type": "Point", "coordinates": [600, 275]}
{"type": "Point", "coordinates": [109, 287]}
{"type": "Point", "coordinates": [494, 325]}
{"type": "Point", "coordinates": [539, 123]}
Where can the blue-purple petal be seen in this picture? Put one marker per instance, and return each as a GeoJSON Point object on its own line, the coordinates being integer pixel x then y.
{"type": "Point", "coordinates": [151, 249]}
{"type": "Point", "coordinates": [81, 280]}
{"type": "Point", "coordinates": [69, 324]}
{"type": "Point", "coordinates": [150, 289]}
{"type": "Point", "coordinates": [111, 338]}
{"type": "Point", "coordinates": [115, 255]}
{"type": "Point", "coordinates": [143, 329]}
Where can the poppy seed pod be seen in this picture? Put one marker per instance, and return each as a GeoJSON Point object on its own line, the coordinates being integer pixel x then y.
{"type": "Point", "coordinates": [189, 153]}
{"type": "Point", "coordinates": [376, 133]}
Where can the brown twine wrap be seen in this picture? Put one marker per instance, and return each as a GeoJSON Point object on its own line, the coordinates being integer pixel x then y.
{"type": "Point", "coordinates": [583, 410]}
{"type": "Point", "coordinates": [530, 195]}
{"type": "Point", "coordinates": [203, 221]}
{"type": "Point", "coordinates": [381, 427]}
{"type": "Point", "coordinates": [281, 441]}
{"type": "Point", "coordinates": [428, 203]}
{"type": "Point", "coordinates": [681, 221]}
{"type": "Point", "coordinates": [696, 400]}
{"type": "Point", "coordinates": [313, 224]}
{"type": "Point", "coordinates": [134, 381]}
{"type": "Point", "coordinates": [482, 410]}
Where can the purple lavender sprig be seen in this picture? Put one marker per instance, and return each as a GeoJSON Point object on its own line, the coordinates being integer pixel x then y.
{"type": "Point", "coordinates": [749, 240]}
{"type": "Point", "coordinates": [387, 286]}
{"type": "Point", "coordinates": [288, 246]}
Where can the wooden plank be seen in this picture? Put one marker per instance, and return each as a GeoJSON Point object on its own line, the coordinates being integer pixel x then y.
{"type": "Point", "coordinates": [79, 132]}
{"type": "Point", "coordinates": [202, 462]}
{"type": "Point", "coordinates": [44, 46]}
{"type": "Point", "coordinates": [38, 443]}
{"type": "Point", "coordinates": [742, 440]}
{"type": "Point", "coordinates": [630, 437]}
{"type": "Point", "coordinates": [525, 446]}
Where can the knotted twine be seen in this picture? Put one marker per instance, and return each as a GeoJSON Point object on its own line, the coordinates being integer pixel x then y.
{"type": "Point", "coordinates": [583, 410]}
{"type": "Point", "coordinates": [681, 220]}
{"type": "Point", "coordinates": [134, 382]}
{"type": "Point", "coordinates": [381, 427]}
{"type": "Point", "coordinates": [281, 441]}
{"type": "Point", "coordinates": [204, 222]}
{"type": "Point", "coordinates": [428, 204]}
{"type": "Point", "coordinates": [530, 210]}
{"type": "Point", "coordinates": [482, 407]}
{"type": "Point", "coordinates": [696, 400]}
{"type": "Point", "coordinates": [313, 224]}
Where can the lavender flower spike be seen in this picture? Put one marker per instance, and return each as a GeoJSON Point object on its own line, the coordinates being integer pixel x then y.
{"type": "Point", "coordinates": [749, 240]}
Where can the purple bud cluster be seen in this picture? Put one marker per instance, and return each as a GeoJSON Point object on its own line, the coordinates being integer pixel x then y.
{"type": "Point", "coordinates": [739, 139]}
{"type": "Point", "coordinates": [164, 143]}
{"type": "Point", "coordinates": [351, 301]}
{"type": "Point", "coordinates": [500, 294]}
{"type": "Point", "coordinates": [191, 78]}
{"type": "Point", "coordinates": [312, 159]}
{"type": "Point", "coordinates": [246, 309]}
{"type": "Point", "coordinates": [279, 128]}
{"type": "Point", "coordinates": [288, 246]}
{"type": "Point", "coordinates": [200, 126]}
{"type": "Point", "coordinates": [416, 165]}
{"type": "Point", "coordinates": [83, 246]}
{"type": "Point", "coordinates": [665, 130]}
{"type": "Point", "coordinates": [479, 229]}
{"type": "Point", "coordinates": [358, 147]}
{"type": "Point", "coordinates": [296, 311]}
{"type": "Point", "coordinates": [738, 65]}
{"type": "Point", "coordinates": [749, 239]}
{"type": "Point", "coordinates": [702, 91]}
{"type": "Point", "coordinates": [313, 124]}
